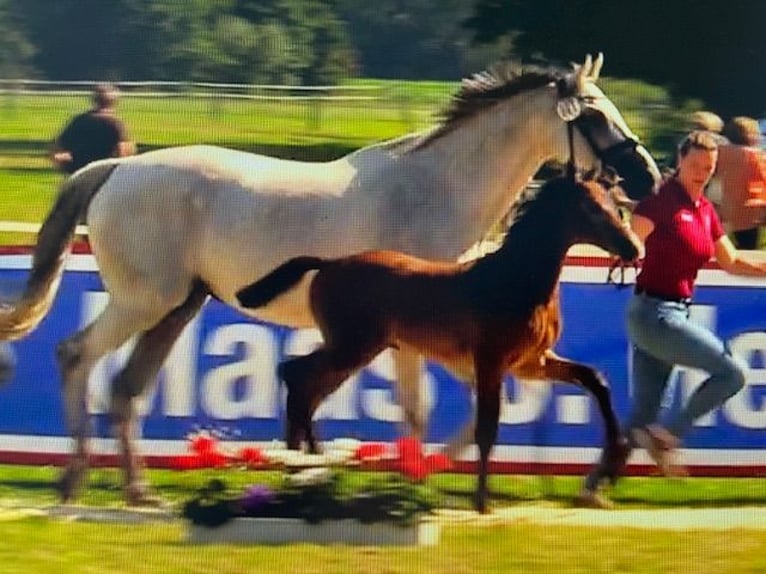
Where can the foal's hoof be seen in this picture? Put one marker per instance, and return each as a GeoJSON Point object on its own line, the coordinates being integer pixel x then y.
{"type": "Point", "coordinates": [614, 459]}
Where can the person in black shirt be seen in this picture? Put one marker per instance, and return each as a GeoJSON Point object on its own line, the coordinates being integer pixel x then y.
{"type": "Point", "coordinates": [95, 134]}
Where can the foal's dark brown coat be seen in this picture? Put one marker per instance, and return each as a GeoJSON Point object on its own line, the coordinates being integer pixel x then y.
{"type": "Point", "coordinates": [483, 319]}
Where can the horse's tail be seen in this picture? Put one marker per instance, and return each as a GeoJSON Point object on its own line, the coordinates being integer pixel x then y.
{"type": "Point", "coordinates": [281, 279]}
{"type": "Point", "coordinates": [20, 316]}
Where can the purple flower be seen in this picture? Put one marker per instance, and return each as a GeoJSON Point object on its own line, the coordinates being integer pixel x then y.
{"type": "Point", "coordinates": [255, 498]}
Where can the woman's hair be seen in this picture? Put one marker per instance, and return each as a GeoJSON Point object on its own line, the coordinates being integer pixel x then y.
{"type": "Point", "coordinates": [743, 131]}
{"type": "Point", "coordinates": [704, 120]}
{"type": "Point", "coordinates": [698, 139]}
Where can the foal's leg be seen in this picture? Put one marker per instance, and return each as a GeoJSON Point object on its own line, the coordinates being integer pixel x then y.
{"type": "Point", "coordinates": [141, 369]}
{"type": "Point", "coordinates": [489, 380]}
{"type": "Point", "coordinates": [76, 357]}
{"type": "Point", "coordinates": [311, 378]}
{"type": "Point", "coordinates": [560, 369]}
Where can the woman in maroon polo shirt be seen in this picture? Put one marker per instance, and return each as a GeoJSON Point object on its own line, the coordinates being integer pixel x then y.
{"type": "Point", "coordinates": [681, 232]}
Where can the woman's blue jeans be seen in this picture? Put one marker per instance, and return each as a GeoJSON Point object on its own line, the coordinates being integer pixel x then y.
{"type": "Point", "coordinates": [662, 336]}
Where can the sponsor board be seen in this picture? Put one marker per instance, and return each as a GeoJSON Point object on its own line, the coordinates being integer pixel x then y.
{"type": "Point", "coordinates": [221, 376]}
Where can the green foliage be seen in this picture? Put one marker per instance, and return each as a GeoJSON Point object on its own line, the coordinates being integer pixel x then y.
{"type": "Point", "coordinates": [279, 41]}
{"type": "Point", "coordinates": [381, 498]}
{"type": "Point", "coordinates": [15, 49]}
{"type": "Point", "coordinates": [703, 49]}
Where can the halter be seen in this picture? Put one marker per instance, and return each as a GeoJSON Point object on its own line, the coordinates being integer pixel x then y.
{"type": "Point", "coordinates": [570, 108]}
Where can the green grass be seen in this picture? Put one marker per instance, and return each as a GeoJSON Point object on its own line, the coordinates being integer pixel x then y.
{"type": "Point", "coordinates": [35, 486]}
{"type": "Point", "coordinates": [36, 544]}
{"type": "Point", "coordinates": [42, 546]}
{"type": "Point", "coordinates": [293, 129]}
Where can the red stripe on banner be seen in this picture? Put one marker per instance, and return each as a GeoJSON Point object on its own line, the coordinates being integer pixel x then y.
{"type": "Point", "coordinates": [79, 247]}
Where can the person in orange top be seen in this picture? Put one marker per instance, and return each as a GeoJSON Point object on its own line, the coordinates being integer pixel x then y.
{"type": "Point", "coordinates": [742, 176]}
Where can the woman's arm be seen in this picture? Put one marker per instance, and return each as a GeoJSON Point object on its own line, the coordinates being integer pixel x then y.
{"type": "Point", "coordinates": [736, 262]}
{"type": "Point", "coordinates": [642, 227]}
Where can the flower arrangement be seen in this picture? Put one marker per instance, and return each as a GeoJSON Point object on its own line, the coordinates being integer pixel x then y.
{"type": "Point", "coordinates": [316, 493]}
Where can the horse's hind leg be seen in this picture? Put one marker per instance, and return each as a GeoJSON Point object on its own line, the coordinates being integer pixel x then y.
{"type": "Point", "coordinates": [76, 357]}
{"type": "Point", "coordinates": [150, 352]}
{"type": "Point", "coordinates": [617, 449]}
{"type": "Point", "coordinates": [311, 378]}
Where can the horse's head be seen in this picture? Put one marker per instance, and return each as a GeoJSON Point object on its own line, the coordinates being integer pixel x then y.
{"type": "Point", "coordinates": [600, 135]}
{"type": "Point", "coordinates": [590, 214]}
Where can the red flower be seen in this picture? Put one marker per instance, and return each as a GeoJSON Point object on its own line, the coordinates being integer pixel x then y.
{"type": "Point", "coordinates": [370, 451]}
{"type": "Point", "coordinates": [414, 469]}
{"type": "Point", "coordinates": [438, 462]}
{"type": "Point", "coordinates": [212, 459]}
{"type": "Point", "coordinates": [409, 448]}
{"type": "Point", "coordinates": [412, 462]}
{"type": "Point", "coordinates": [251, 456]}
{"type": "Point", "coordinates": [186, 462]}
{"type": "Point", "coordinates": [203, 443]}
{"type": "Point", "coordinates": [204, 454]}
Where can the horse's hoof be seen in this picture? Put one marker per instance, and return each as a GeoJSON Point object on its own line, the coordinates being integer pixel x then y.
{"type": "Point", "coordinates": [294, 435]}
{"type": "Point", "coordinates": [69, 485]}
{"type": "Point", "coordinates": [480, 504]}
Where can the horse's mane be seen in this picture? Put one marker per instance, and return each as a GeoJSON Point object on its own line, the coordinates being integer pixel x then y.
{"type": "Point", "coordinates": [526, 200]}
{"type": "Point", "coordinates": [486, 89]}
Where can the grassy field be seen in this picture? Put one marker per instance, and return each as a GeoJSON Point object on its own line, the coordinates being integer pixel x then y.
{"type": "Point", "coordinates": [38, 544]}
{"type": "Point", "coordinates": [306, 130]}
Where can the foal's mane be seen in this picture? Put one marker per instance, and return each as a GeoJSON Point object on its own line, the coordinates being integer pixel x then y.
{"type": "Point", "coordinates": [486, 89]}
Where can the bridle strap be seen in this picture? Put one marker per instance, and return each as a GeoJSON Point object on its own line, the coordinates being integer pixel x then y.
{"type": "Point", "coordinates": [628, 144]}
{"type": "Point", "coordinates": [571, 163]}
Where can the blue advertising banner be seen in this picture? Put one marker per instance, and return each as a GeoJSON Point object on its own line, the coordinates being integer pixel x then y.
{"type": "Point", "coordinates": [221, 375]}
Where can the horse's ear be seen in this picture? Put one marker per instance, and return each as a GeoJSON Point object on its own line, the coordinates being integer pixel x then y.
{"type": "Point", "coordinates": [597, 65]}
{"type": "Point", "coordinates": [582, 73]}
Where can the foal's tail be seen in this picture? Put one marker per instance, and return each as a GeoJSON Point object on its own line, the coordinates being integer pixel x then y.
{"type": "Point", "coordinates": [20, 316]}
{"type": "Point", "coordinates": [281, 279]}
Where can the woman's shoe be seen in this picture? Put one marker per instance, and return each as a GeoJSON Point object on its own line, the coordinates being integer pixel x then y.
{"type": "Point", "coordinates": [592, 499]}
{"type": "Point", "coordinates": [662, 446]}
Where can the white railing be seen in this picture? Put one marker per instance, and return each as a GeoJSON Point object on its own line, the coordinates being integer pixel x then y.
{"type": "Point", "coordinates": [170, 89]}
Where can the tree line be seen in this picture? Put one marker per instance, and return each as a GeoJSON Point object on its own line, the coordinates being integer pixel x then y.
{"type": "Point", "coordinates": [704, 49]}
{"type": "Point", "coordinates": [246, 41]}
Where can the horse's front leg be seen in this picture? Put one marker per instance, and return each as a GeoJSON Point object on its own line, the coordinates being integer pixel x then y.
{"type": "Point", "coordinates": [617, 448]}
{"type": "Point", "coordinates": [408, 366]}
{"type": "Point", "coordinates": [489, 378]}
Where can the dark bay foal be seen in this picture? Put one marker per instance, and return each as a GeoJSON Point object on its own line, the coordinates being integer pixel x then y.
{"type": "Point", "coordinates": [481, 319]}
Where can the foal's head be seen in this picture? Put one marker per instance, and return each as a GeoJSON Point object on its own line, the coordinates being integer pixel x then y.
{"type": "Point", "coordinates": [587, 213]}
